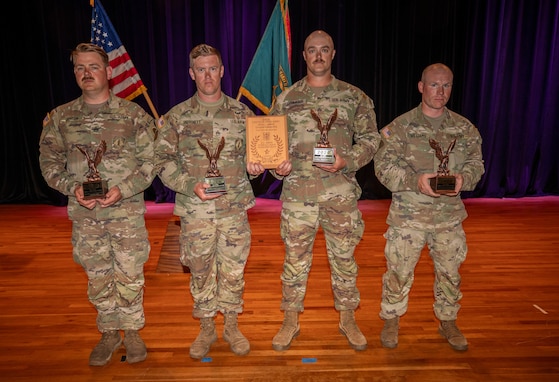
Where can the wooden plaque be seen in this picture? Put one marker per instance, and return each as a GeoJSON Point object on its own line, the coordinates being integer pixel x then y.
{"type": "Point", "coordinates": [267, 140]}
{"type": "Point", "coordinates": [443, 184]}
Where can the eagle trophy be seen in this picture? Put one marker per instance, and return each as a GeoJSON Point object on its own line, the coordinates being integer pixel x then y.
{"type": "Point", "coordinates": [93, 160]}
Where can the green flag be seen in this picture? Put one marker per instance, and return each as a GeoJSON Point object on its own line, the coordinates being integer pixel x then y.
{"type": "Point", "coordinates": [269, 72]}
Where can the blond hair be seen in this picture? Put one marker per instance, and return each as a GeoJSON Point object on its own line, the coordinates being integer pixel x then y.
{"type": "Point", "coordinates": [86, 47]}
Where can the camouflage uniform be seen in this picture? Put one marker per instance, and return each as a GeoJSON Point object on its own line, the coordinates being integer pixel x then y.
{"type": "Point", "coordinates": [110, 243]}
{"type": "Point", "coordinates": [215, 234]}
{"type": "Point", "coordinates": [313, 197]}
{"type": "Point", "coordinates": [416, 219]}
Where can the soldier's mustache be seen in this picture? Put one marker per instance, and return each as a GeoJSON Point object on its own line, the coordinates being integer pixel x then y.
{"type": "Point", "coordinates": [87, 78]}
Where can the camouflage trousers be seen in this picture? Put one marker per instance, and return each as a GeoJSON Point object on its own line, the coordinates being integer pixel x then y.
{"type": "Point", "coordinates": [216, 252]}
{"type": "Point", "coordinates": [113, 253]}
{"type": "Point", "coordinates": [447, 250]}
{"type": "Point", "coordinates": [343, 227]}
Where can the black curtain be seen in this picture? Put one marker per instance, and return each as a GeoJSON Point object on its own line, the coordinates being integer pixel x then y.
{"type": "Point", "coordinates": [504, 54]}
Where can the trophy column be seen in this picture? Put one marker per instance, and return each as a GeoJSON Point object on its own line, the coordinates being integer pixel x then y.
{"type": "Point", "coordinates": [443, 183]}
{"type": "Point", "coordinates": [213, 175]}
{"type": "Point", "coordinates": [323, 153]}
{"type": "Point", "coordinates": [94, 187]}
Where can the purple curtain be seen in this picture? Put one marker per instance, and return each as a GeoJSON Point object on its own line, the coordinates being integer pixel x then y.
{"type": "Point", "coordinates": [504, 54]}
{"type": "Point", "coordinates": [512, 91]}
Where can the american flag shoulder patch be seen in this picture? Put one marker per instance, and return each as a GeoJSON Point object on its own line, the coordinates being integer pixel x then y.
{"type": "Point", "coordinates": [386, 132]}
{"type": "Point", "coordinates": [161, 122]}
{"type": "Point", "coordinates": [46, 119]}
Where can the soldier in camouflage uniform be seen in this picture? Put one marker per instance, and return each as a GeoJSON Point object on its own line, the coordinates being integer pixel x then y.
{"type": "Point", "coordinates": [323, 195]}
{"type": "Point", "coordinates": [215, 233]}
{"type": "Point", "coordinates": [405, 163]}
{"type": "Point", "coordinates": [109, 235]}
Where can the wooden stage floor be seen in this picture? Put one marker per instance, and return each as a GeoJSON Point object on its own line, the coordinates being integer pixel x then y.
{"type": "Point", "coordinates": [510, 309]}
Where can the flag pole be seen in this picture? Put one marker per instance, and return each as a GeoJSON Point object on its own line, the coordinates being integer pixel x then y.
{"type": "Point", "coordinates": [152, 108]}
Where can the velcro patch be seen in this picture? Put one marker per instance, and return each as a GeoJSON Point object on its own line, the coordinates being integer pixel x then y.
{"type": "Point", "coordinates": [161, 122]}
{"type": "Point", "coordinates": [46, 119]}
{"type": "Point", "coordinates": [386, 132]}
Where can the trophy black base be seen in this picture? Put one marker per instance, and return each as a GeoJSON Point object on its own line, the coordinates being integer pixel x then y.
{"type": "Point", "coordinates": [94, 189]}
{"type": "Point", "coordinates": [443, 184]}
{"type": "Point", "coordinates": [217, 185]}
{"type": "Point", "coordinates": [323, 155]}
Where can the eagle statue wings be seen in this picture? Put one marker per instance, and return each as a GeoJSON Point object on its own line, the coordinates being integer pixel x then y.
{"type": "Point", "coordinates": [213, 171]}
{"type": "Point", "coordinates": [93, 160]}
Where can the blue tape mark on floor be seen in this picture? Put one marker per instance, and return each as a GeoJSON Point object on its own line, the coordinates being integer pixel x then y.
{"type": "Point", "coordinates": [206, 359]}
{"type": "Point", "coordinates": [308, 360]}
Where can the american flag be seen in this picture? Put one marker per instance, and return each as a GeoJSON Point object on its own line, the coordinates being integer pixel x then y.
{"type": "Point", "coordinates": [126, 82]}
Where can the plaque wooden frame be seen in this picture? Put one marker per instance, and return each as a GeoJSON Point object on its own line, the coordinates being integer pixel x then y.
{"type": "Point", "coordinates": [267, 140]}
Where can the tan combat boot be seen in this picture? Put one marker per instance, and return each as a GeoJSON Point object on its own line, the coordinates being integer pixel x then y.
{"type": "Point", "coordinates": [450, 331]}
{"type": "Point", "coordinates": [207, 336]}
{"type": "Point", "coordinates": [103, 351]}
{"type": "Point", "coordinates": [135, 348]}
{"type": "Point", "coordinates": [389, 334]}
{"type": "Point", "coordinates": [349, 328]}
{"type": "Point", "coordinates": [288, 331]}
{"type": "Point", "coordinates": [233, 336]}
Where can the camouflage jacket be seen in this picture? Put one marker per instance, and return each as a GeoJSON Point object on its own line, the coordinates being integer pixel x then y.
{"type": "Point", "coordinates": [128, 162]}
{"type": "Point", "coordinates": [354, 135]}
{"type": "Point", "coordinates": [183, 162]}
{"type": "Point", "coordinates": [405, 153]}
